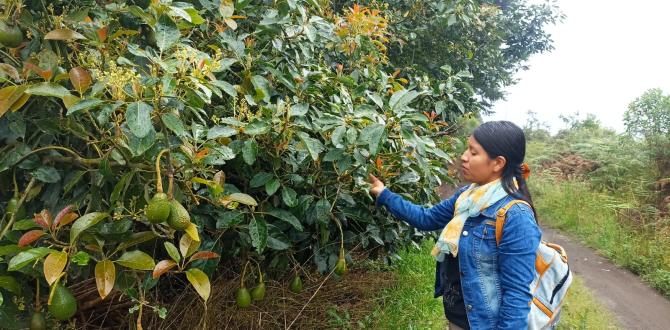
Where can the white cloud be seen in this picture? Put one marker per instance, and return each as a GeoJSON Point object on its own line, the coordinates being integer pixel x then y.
{"type": "Point", "coordinates": [606, 54]}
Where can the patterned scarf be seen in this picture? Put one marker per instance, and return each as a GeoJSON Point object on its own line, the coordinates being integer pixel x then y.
{"type": "Point", "coordinates": [469, 204]}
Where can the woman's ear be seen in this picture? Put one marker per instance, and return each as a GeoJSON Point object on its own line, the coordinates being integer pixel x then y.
{"type": "Point", "coordinates": [499, 165]}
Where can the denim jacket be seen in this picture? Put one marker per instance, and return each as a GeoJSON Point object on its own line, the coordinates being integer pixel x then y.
{"type": "Point", "coordinates": [495, 279]}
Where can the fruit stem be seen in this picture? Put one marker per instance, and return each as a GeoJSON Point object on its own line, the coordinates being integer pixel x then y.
{"type": "Point", "coordinates": [339, 226]}
{"type": "Point", "coordinates": [170, 185]}
{"type": "Point", "coordinates": [159, 179]}
{"type": "Point", "coordinates": [16, 186]}
{"type": "Point", "coordinates": [37, 294]}
{"type": "Point", "coordinates": [260, 274]}
{"type": "Point", "coordinates": [18, 205]}
{"type": "Point", "coordinates": [244, 273]}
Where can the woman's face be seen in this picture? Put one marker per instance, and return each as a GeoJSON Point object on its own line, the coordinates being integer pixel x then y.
{"type": "Point", "coordinates": [476, 165]}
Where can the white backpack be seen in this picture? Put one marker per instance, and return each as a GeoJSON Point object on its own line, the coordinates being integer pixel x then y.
{"type": "Point", "coordinates": [552, 278]}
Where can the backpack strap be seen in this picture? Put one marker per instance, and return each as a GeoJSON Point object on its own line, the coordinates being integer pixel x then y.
{"type": "Point", "coordinates": [500, 218]}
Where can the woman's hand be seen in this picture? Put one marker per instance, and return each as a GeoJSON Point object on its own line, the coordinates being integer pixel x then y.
{"type": "Point", "coordinates": [377, 185]}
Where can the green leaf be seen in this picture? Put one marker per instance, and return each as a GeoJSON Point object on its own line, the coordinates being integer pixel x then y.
{"type": "Point", "coordinates": [83, 105]}
{"type": "Point", "coordinates": [24, 224]}
{"type": "Point", "coordinates": [27, 257]}
{"type": "Point", "coordinates": [220, 131]}
{"type": "Point", "coordinates": [242, 198]}
{"type": "Point", "coordinates": [258, 230]}
{"type": "Point", "coordinates": [10, 284]}
{"type": "Point", "coordinates": [337, 136]}
{"type": "Point", "coordinates": [136, 260]}
{"type": "Point", "coordinates": [73, 180]}
{"type": "Point", "coordinates": [289, 196]}
{"type": "Point", "coordinates": [262, 88]}
{"type": "Point", "coordinates": [277, 244]}
{"type": "Point", "coordinates": [322, 210]}
{"type": "Point", "coordinates": [218, 154]}
{"type": "Point", "coordinates": [299, 109]}
{"type": "Point", "coordinates": [188, 246]}
{"type": "Point", "coordinates": [138, 146]}
{"type": "Point", "coordinates": [200, 282]}
{"type": "Point", "coordinates": [120, 187]}
{"type": "Point", "coordinates": [287, 217]}
{"type": "Point", "coordinates": [372, 136]}
{"type": "Point", "coordinates": [195, 17]}
{"type": "Point", "coordinates": [401, 99]}
{"type": "Point", "coordinates": [376, 99]}
{"type": "Point", "coordinates": [249, 151]}
{"type": "Point", "coordinates": [257, 127]}
{"type": "Point", "coordinates": [225, 86]}
{"type": "Point", "coordinates": [81, 258]}
{"type": "Point", "coordinates": [48, 89]}
{"type": "Point", "coordinates": [167, 33]}
{"type": "Point", "coordinates": [229, 219]}
{"type": "Point", "coordinates": [174, 124]}
{"type": "Point", "coordinates": [10, 249]}
{"type": "Point", "coordinates": [260, 179]}
{"type": "Point", "coordinates": [84, 222]}
{"type": "Point", "coordinates": [138, 118]}
{"type": "Point", "coordinates": [227, 8]}
{"type": "Point", "coordinates": [272, 186]}
{"type": "Point", "coordinates": [134, 239]}
{"type": "Point", "coordinates": [63, 34]}
{"type": "Point", "coordinates": [314, 146]}
{"type": "Point", "coordinates": [172, 251]}
{"type": "Point", "coordinates": [46, 174]}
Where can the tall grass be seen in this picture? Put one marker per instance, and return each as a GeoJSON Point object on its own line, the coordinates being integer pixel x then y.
{"type": "Point", "coordinates": [604, 222]}
{"type": "Point", "coordinates": [409, 302]}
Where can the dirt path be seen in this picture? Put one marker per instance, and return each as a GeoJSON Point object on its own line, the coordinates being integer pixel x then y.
{"type": "Point", "coordinates": [634, 304]}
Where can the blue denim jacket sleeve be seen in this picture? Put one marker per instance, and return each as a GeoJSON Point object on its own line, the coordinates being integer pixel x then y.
{"type": "Point", "coordinates": [419, 217]}
{"type": "Point", "coordinates": [516, 261]}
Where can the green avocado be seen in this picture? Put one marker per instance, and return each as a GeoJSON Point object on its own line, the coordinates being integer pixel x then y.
{"type": "Point", "coordinates": [341, 267]}
{"type": "Point", "coordinates": [243, 298]}
{"type": "Point", "coordinates": [179, 218]}
{"type": "Point", "coordinates": [158, 209]}
{"type": "Point", "coordinates": [258, 293]}
{"type": "Point", "coordinates": [296, 285]}
{"type": "Point", "coordinates": [10, 34]}
{"type": "Point", "coordinates": [63, 305]}
{"type": "Point", "coordinates": [37, 321]}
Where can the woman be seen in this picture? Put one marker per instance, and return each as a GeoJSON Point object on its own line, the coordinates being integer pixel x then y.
{"type": "Point", "coordinates": [483, 285]}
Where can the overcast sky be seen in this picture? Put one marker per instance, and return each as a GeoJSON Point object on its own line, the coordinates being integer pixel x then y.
{"type": "Point", "coordinates": [606, 54]}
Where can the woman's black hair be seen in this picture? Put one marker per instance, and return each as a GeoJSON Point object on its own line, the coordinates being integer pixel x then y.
{"type": "Point", "coordinates": [504, 138]}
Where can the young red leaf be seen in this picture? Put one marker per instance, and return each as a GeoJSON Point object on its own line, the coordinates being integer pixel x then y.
{"type": "Point", "coordinates": [30, 237]}
{"type": "Point", "coordinates": [163, 267]}
{"type": "Point", "coordinates": [204, 255]}
{"type": "Point", "coordinates": [67, 219]}
{"type": "Point", "coordinates": [60, 215]}
{"type": "Point", "coordinates": [43, 219]}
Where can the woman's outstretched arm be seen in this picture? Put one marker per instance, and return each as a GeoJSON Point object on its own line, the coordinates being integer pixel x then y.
{"type": "Point", "coordinates": [422, 218]}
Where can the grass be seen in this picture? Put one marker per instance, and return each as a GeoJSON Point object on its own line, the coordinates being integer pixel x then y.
{"type": "Point", "coordinates": [609, 224]}
{"type": "Point", "coordinates": [581, 310]}
{"type": "Point", "coordinates": [408, 302]}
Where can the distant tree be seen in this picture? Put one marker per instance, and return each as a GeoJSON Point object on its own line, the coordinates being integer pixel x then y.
{"type": "Point", "coordinates": [649, 115]}
{"type": "Point", "coordinates": [535, 129]}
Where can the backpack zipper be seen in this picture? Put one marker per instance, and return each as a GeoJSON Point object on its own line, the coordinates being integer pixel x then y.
{"type": "Point", "coordinates": [559, 286]}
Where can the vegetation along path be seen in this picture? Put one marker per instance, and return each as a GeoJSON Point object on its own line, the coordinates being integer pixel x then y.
{"type": "Point", "coordinates": [636, 305]}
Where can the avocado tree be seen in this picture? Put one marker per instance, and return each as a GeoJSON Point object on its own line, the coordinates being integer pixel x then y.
{"type": "Point", "coordinates": [168, 136]}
